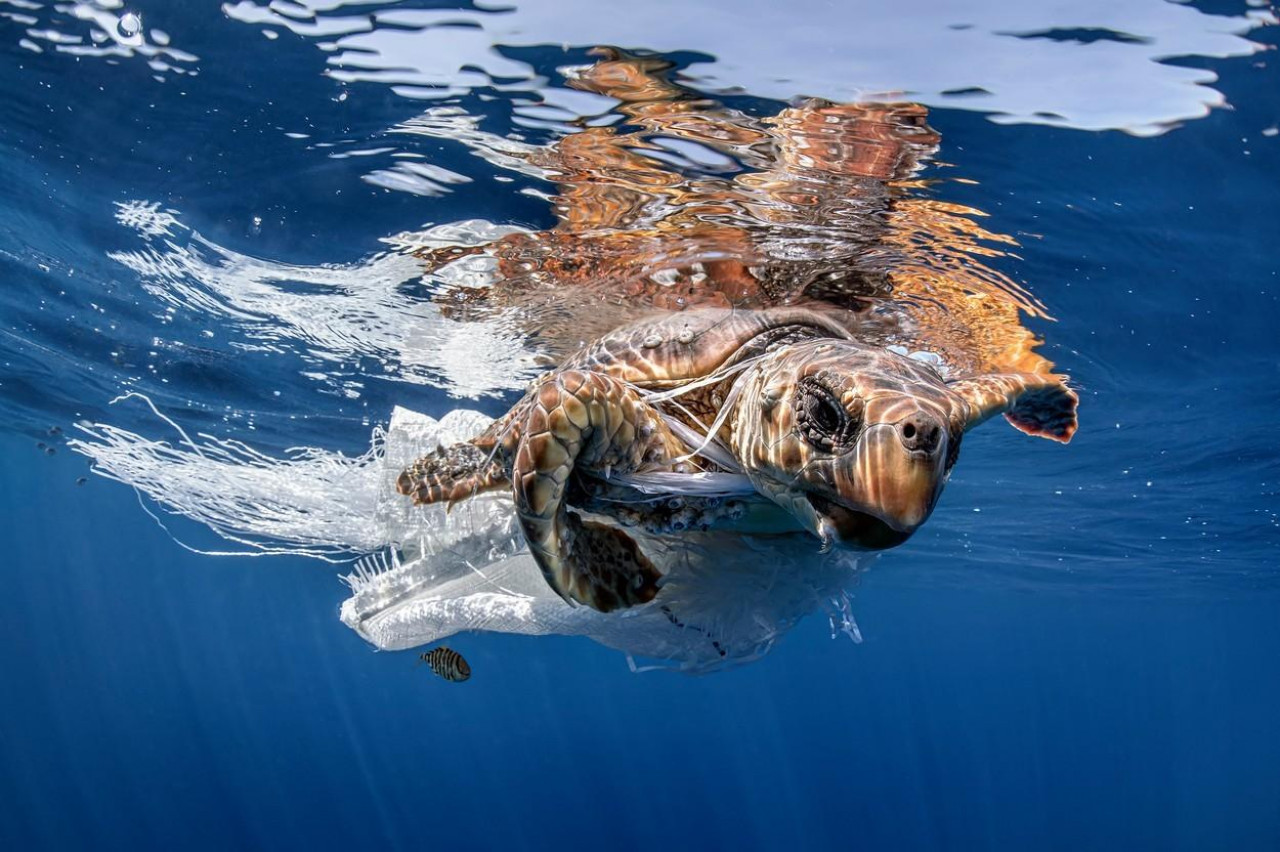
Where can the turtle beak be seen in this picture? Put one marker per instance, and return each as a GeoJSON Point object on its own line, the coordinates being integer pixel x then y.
{"type": "Point", "coordinates": [886, 487]}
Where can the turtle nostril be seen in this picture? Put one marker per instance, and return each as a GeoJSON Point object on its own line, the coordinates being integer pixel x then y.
{"type": "Point", "coordinates": [920, 432]}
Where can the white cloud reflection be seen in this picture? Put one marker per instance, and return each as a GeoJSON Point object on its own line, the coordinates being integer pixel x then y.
{"type": "Point", "coordinates": [1091, 64]}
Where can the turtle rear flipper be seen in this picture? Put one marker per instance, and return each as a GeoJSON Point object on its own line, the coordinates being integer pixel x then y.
{"type": "Point", "coordinates": [608, 570]}
{"type": "Point", "coordinates": [452, 474]}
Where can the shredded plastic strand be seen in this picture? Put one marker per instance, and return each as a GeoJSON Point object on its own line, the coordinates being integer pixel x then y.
{"type": "Point", "coordinates": [313, 502]}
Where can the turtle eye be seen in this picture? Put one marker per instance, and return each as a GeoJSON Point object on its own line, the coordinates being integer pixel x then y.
{"type": "Point", "coordinates": [823, 414]}
{"type": "Point", "coordinates": [820, 418]}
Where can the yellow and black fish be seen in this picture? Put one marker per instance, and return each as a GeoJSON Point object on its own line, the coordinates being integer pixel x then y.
{"type": "Point", "coordinates": [447, 663]}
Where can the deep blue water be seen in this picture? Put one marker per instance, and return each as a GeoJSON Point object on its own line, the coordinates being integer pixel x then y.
{"type": "Point", "coordinates": [1078, 651]}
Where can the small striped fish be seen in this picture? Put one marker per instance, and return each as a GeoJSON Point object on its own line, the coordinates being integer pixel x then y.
{"type": "Point", "coordinates": [447, 663]}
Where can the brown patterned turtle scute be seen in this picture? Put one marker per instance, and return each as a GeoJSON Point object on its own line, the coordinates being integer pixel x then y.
{"type": "Point", "coordinates": [855, 442]}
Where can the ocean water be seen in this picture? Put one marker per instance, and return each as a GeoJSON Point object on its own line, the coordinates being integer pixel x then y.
{"type": "Point", "coordinates": [217, 206]}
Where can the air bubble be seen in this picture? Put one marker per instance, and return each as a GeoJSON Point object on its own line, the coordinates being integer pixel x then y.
{"type": "Point", "coordinates": [130, 24]}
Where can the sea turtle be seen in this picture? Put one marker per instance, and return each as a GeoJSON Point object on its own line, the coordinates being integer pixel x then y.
{"type": "Point", "coordinates": [853, 441]}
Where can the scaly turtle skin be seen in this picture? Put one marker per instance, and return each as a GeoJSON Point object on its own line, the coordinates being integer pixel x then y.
{"type": "Point", "coordinates": [853, 441]}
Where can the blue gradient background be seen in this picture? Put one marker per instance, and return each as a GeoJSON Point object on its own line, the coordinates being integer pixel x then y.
{"type": "Point", "coordinates": [1065, 658]}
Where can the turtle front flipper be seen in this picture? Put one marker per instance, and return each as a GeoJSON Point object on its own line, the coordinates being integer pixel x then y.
{"type": "Point", "coordinates": [1040, 405]}
{"type": "Point", "coordinates": [453, 473]}
{"type": "Point", "coordinates": [584, 421]}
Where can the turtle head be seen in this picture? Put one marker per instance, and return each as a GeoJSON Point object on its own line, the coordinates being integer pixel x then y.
{"type": "Point", "coordinates": [857, 442]}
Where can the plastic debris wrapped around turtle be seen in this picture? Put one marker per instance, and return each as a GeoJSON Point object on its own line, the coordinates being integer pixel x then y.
{"type": "Point", "coordinates": [428, 573]}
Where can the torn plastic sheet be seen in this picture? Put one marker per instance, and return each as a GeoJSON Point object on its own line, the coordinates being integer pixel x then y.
{"type": "Point", "coordinates": [427, 573]}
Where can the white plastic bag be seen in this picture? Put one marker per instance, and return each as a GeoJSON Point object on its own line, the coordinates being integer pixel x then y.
{"type": "Point", "coordinates": [428, 574]}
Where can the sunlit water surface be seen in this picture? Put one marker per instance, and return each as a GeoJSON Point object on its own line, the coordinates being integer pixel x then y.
{"type": "Point", "coordinates": [272, 221]}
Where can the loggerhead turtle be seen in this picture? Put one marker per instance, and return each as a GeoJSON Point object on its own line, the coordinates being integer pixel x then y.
{"type": "Point", "coordinates": [853, 442]}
